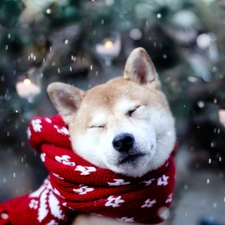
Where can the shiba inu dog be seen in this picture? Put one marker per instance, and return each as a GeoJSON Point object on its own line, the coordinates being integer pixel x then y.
{"type": "Point", "coordinates": [124, 125]}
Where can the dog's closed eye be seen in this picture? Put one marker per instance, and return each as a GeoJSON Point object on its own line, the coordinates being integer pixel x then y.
{"type": "Point", "coordinates": [99, 120]}
{"type": "Point", "coordinates": [131, 112]}
{"type": "Point", "coordinates": [97, 126]}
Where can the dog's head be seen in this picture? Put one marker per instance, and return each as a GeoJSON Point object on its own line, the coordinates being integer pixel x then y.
{"type": "Point", "coordinates": [124, 125]}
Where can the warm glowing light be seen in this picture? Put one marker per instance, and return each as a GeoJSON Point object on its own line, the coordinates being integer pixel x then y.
{"type": "Point", "coordinates": [109, 48]}
{"type": "Point", "coordinates": [27, 89]}
{"type": "Point", "coordinates": [48, 11]}
{"type": "Point", "coordinates": [221, 115]}
{"type": "Point", "coordinates": [27, 82]}
{"type": "Point", "coordinates": [108, 44]}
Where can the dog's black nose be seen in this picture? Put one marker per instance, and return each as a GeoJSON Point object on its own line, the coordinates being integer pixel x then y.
{"type": "Point", "coordinates": [123, 142]}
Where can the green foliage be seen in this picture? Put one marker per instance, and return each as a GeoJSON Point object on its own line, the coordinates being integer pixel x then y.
{"type": "Point", "coordinates": [10, 11]}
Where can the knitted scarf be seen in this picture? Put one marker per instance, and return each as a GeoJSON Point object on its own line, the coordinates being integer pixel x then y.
{"type": "Point", "coordinates": [74, 185]}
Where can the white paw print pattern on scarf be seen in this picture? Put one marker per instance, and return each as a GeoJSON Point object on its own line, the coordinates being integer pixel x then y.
{"type": "Point", "coordinates": [163, 180]}
{"type": "Point", "coordinates": [126, 219]}
{"type": "Point", "coordinates": [83, 190]}
{"type": "Point", "coordinates": [118, 182]}
{"type": "Point", "coordinates": [62, 130]}
{"type": "Point", "coordinates": [148, 203]}
{"type": "Point", "coordinates": [36, 124]}
{"type": "Point", "coordinates": [85, 170]}
{"type": "Point", "coordinates": [65, 159]}
{"type": "Point", "coordinates": [114, 201]}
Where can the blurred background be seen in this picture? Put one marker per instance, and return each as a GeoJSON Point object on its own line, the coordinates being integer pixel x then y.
{"type": "Point", "coordinates": [85, 43]}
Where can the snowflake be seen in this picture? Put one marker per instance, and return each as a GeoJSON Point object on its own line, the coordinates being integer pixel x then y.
{"type": "Point", "coordinates": [126, 219]}
{"type": "Point", "coordinates": [36, 125]}
{"type": "Point", "coordinates": [64, 159]}
{"type": "Point", "coordinates": [148, 203]}
{"type": "Point", "coordinates": [85, 170]}
{"type": "Point", "coordinates": [83, 190]}
{"type": "Point", "coordinates": [28, 133]}
{"type": "Point", "coordinates": [114, 201]}
{"type": "Point", "coordinates": [118, 182]}
{"type": "Point", "coordinates": [163, 180]}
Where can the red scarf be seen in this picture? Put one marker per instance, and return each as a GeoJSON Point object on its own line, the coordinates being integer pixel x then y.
{"type": "Point", "coordinates": [75, 185]}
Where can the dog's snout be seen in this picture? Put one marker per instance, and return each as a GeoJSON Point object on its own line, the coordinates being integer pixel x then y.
{"type": "Point", "coordinates": [123, 142]}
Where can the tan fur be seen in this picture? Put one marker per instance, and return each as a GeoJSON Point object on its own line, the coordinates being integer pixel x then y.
{"type": "Point", "coordinates": [104, 97]}
{"type": "Point", "coordinates": [95, 117]}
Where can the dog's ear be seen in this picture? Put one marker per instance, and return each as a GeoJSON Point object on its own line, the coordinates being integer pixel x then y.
{"type": "Point", "coordinates": [65, 98]}
{"type": "Point", "coordinates": [140, 68]}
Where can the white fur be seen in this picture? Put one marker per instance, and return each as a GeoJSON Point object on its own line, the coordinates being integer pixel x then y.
{"type": "Point", "coordinates": [98, 120]}
{"type": "Point", "coordinates": [153, 132]}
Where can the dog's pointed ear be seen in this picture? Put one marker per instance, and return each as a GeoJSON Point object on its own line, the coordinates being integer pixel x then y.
{"type": "Point", "coordinates": [65, 98]}
{"type": "Point", "coordinates": [140, 68]}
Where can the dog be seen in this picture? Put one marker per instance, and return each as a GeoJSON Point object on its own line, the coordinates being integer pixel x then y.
{"type": "Point", "coordinates": [127, 120]}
